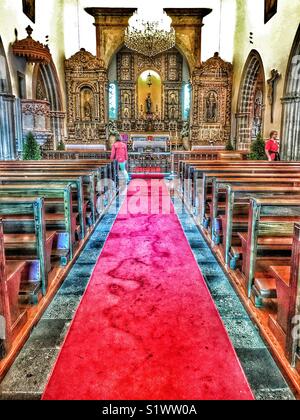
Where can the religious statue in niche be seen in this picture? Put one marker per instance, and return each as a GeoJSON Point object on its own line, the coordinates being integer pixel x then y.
{"type": "Point", "coordinates": [173, 98]}
{"type": "Point", "coordinates": [172, 113]}
{"type": "Point", "coordinates": [211, 107]}
{"type": "Point", "coordinates": [149, 104]}
{"type": "Point", "coordinates": [86, 105]}
{"type": "Point", "coordinates": [126, 113]}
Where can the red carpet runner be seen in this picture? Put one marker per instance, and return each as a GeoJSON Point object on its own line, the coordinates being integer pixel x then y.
{"type": "Point", "coordinates": [147, 327]}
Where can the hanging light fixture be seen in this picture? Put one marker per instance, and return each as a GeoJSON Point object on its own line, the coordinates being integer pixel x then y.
{"type": "Point", "coordinates": [150, 31]}
{"type": "Point", "coordinates": [149, 83]}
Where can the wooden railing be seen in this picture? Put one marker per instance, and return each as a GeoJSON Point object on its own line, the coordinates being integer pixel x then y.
{"type": "Point", "coordinates": [168, 162]}
{"type": "Point", "coordinates": [135, 160]}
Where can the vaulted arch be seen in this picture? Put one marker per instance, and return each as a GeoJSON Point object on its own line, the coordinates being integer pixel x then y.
{"type": "Point", "coordinates": [251, 101]}
{"type": "Point", "coordinates": [8, 146]}
{"type": "Point", "coordinates": [290, 147]}
{"type": "Point", "coordinates": [46, 86]}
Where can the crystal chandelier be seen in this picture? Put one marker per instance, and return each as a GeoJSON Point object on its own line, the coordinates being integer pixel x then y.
{"type": "Point", "coordinates": [150, 31]}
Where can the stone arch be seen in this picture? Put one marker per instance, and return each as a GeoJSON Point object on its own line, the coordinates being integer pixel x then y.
{"type": "Point", "coordinates": [8, 146]}
{"type": "Point", "coordinates": [252, 88]}
{"type": "Point", "coordinates": [5, 82]}
{"type": "Point", "coordinates": [46, 82]}
{"type": "Point", "coordinates": [290, 146]}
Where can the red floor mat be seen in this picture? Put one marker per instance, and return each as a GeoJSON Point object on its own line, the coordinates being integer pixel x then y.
{"type": "Point", "coordinates": [147, 327]}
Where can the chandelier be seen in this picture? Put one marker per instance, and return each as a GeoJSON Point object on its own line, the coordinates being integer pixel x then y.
{"type": "Point", "coordinates": [150, 31]}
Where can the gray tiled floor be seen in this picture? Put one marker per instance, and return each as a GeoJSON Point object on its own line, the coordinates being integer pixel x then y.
{"type": "Point", "coordinates": [28, 376]}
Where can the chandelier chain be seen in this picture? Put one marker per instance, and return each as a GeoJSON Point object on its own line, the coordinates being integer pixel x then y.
{"type": "Point", "coordinates": [150, 37]}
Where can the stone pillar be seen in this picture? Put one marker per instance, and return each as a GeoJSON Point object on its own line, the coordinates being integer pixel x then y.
{"type": "Point", "coordinates": [290, 146]}
{"type": "Point", "coordinates": [57, 119]}
{"type": "Point", "coordinates": [243, 132]}
{"type": "Point", "coordinates": [7, 127]}
{"type": "Point", "coordinates": [19, 125]}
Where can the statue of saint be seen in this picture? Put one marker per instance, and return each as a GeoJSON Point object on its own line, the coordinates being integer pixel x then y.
{"type": "Point", "coordinates": [148, 104]}
{"type": "Point", "coordinates": [211, 107]}
{"type": "Point", "coordinates": [172, 113]}
{"type": "Point", "coordinates": [87, 109]}
{"type": "Point", "coordinates": [126, 112]}
{"type": "Point", "coordinates": [173, 100]}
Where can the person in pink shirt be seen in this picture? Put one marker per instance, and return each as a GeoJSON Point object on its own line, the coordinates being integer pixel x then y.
{"type": "Point", "coordinates": [272, 147]}
{"type": "Point", "coordinates": [120, 154]}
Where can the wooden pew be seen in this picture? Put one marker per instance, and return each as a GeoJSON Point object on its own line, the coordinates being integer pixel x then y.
{"type": "Point", "coordinates": [104, 183]}
{"type": "Point", "coordinates": [103, 168]}
{"type": "Point", "coordinates": [285, 323]}
{"type": "Point", "coordinates": [191, 187]}
{"type": "Point", "coordinates": [237, 201]}
{"type": "Point", "coordinates": [290, 275]}
{"type": "Point", "coordinates": [64, 225]}
{"type": "Point", "coordinates": [32, 244]}
{"type": "Point", "coordinates": [187, 167]}
{"type": "Point", "coordinates": [191, 191]}
{"type": "Point", "coordinates": [210, 191]}
{"type": "Point", "coordinates": [76, 184]}
{"type": "Point", "coordinates": [89, 183]}
{"type": "Point", "coordinates": [286, 211]}
{"type": "Point", "coordinates": [12, 316]}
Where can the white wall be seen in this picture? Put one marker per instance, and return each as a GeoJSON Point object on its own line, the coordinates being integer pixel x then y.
{"type": "Point", "coordinates": [273, 41]}
{"type": "Point", "coordinates": [210, 40]}
{"type": "Point", "coordinates": [49, 21]}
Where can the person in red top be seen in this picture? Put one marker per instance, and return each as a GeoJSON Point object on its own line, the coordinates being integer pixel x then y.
{"type": "Point", "coordinates": [272, 147]}
{"type": "Point", "coordinates": [120, 154]}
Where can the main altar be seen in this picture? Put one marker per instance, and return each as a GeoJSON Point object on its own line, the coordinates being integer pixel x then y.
{"type": "Point", "coordinates": [150, 142]}
{"type": "Point", "coordinates": [151, 99]}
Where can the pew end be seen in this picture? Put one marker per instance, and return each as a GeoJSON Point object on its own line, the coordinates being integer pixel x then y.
{"type": "Point", "coordinates": [263, 288]}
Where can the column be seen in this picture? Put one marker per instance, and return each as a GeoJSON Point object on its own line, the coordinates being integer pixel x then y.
{"type": "Point", "coordinates": [7, 127]}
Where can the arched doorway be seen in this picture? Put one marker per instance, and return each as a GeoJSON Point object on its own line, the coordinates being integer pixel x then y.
{"type": "Point", "coordinates": [251, 102]}
{"type": "Point", "coordinates": [290, 146]}
{"type": "Point", "coordinates": [7, 103]}
{"type": "Point", "coordinates": [46, 86]}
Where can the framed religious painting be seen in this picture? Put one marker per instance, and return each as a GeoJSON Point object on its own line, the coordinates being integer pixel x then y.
{"type": "Point", "coordinates": [270, 9]}
{"type": "Point", "coordinates": [29, 9]}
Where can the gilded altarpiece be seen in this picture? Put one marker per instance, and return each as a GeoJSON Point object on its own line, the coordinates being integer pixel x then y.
{"type": "Point", "coordinates": [130, 66]}
{"type": "Point", "coordinates": [211, 104]}
{"type": "Point", "coordinates": [86, 85]}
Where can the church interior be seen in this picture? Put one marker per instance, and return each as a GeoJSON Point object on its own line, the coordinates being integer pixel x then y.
{"type": "Point", "coordinates": [149, 200]}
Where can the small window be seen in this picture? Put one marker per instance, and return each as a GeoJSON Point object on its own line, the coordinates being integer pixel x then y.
{"type": "Point", "coordinates": [186, 102]}
{"type": "Point", "coordinates": [113, 101]}
{"type": "Point", "coordinates": [21, 85]}
{"type": "Point", "coordinates": [3, 76]}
